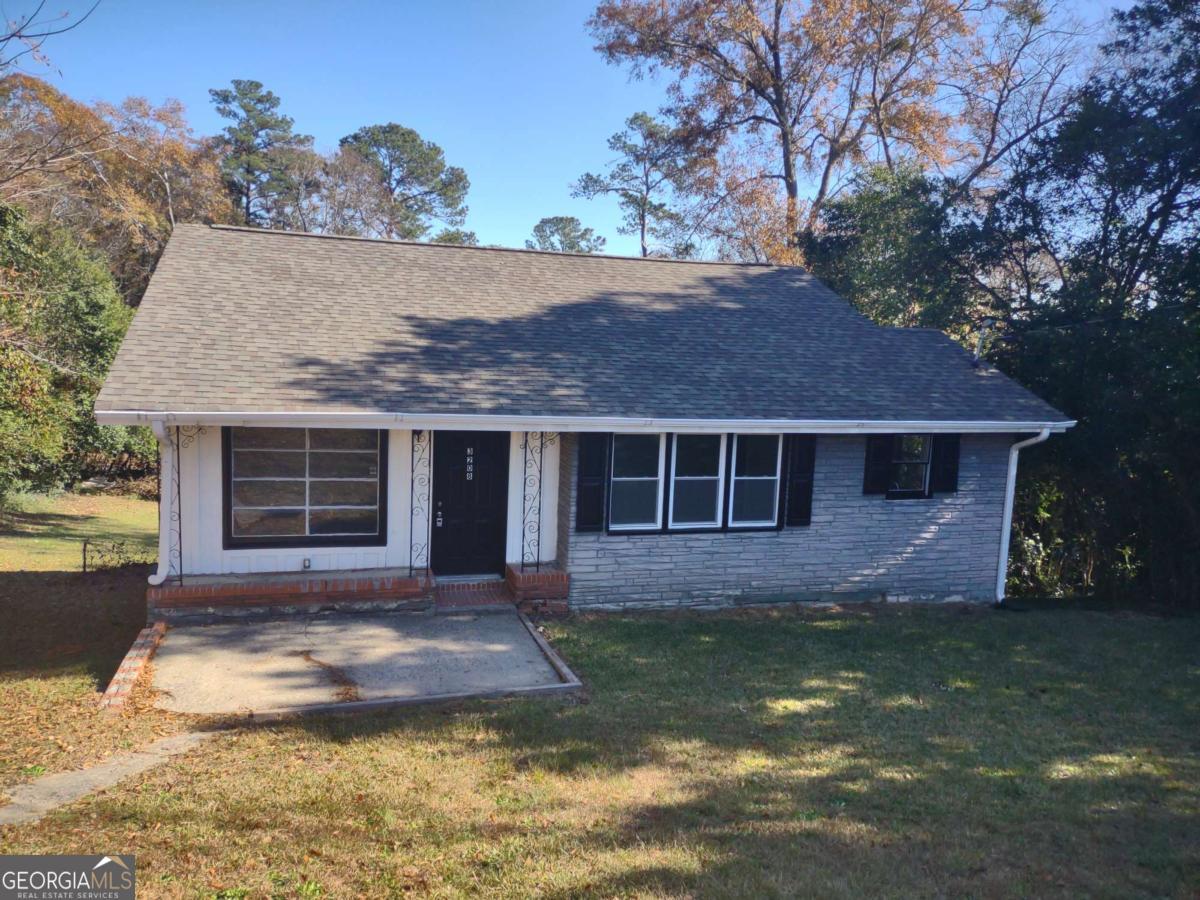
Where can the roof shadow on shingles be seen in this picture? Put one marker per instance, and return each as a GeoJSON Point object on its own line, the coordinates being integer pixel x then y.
{"type": "Point", "coordinates": [247, 321]}
{"type": "Point", "coordinates": [733, 350]}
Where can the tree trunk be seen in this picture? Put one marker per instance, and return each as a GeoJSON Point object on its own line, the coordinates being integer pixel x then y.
{"type": "Point", "coordinates": [792, 214]}
{"type": "Point", "coordinates": [823, 188]}
{"type": "Point", "coordinates": [643, 211]}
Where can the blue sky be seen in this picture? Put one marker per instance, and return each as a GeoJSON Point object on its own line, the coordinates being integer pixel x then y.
{"type": "Point", "coordinates": [512, 91]}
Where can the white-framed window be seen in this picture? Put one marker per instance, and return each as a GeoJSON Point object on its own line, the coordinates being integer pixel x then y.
{"type": "Point", "coordinates": [697, 480]}
{"type": "Point", "coordinates": [635, 485]}
{"type": "Point", "coordinates": [754, 485]}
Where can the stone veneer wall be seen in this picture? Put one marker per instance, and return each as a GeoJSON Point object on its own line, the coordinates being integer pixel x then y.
{"type": "Point", "coordinates": [857, 547]}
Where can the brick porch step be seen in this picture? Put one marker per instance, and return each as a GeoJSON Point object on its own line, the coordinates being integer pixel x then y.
{"type": "Point", "coordinates": [289, 592]}
{"type": "Point", "coordinates": [481, 594]}
{"type": "Point", "coordinates": [541, 590]}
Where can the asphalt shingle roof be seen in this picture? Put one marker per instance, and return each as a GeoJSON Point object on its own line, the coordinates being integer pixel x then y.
{"type": "Point", "coordinates": [241, 320]}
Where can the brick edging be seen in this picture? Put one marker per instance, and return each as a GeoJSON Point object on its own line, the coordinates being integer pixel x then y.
{"type": "Point", "coordinates": [132, 666]}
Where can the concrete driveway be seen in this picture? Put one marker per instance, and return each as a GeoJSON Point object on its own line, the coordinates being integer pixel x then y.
{"type": "Point", "coordinates": [302, 664]}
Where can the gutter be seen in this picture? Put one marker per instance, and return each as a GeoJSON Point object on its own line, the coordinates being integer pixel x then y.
{"type": "Point", "coordinates": [1009, 492]}
{"type": "Point", "coordinates": [484, 422]}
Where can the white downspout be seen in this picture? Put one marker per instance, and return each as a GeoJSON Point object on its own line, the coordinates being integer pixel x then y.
{"type": "Point", "coordinates": [166, 500]}
{"type": "Point", "coordinates": [1009, 492]}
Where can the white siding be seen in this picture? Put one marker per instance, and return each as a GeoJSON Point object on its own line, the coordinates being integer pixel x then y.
{"type": "Point", "coordinates": [201, 494]}
{"type": "Point", "coordinates": [516, 502]}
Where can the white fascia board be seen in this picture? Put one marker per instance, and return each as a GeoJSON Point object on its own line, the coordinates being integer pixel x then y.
{"type": "Point", "coordinates": [476, 422]}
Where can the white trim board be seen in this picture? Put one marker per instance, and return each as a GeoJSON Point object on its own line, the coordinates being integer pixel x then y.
{"type": "Point", "coordinates": [480, 422]}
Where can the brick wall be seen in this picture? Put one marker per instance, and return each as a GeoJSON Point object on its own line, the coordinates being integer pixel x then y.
{"type": "Point", "coordinates": [856, 546]}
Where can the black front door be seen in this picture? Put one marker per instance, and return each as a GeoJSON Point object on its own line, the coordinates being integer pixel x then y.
{"type": "Point", "coordinates": [470, 501]}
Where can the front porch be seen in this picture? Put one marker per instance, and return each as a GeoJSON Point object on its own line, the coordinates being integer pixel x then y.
{"type": "Point", "coordinates": [269, 521]}
{"type": "Point", "coordinates": [325, 664]}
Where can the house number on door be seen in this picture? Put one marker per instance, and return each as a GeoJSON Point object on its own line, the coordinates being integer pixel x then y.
{"type": "Point", "coordinates": [470, 464]}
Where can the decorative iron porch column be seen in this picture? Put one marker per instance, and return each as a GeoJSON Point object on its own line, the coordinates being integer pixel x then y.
{"type": "Point", "coordinates": [419, 518]}
{"type": "Point", "coordinates": [172, 440]}
{"type": "Point", "coordinates": [533, 449]}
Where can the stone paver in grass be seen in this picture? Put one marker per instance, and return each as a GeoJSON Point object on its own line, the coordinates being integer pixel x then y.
{"type": "Point", "coordinates": [29, 802]}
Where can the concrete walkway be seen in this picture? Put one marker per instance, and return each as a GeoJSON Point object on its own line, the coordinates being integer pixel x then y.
{"type": "Point", "coordinates": [29, 802]}
{"type": "Point", "coordinates": [339, 661]}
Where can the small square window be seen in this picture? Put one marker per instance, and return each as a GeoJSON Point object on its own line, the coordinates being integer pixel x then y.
{"type": "Point", "coordinates": [636, 455]}
{"type": "Point", "coordinates": [634, 504]}
{"type": "Point", "coordinates": [912, 448]}
{"type": "Point", "coordinates": [757, 456]}
{"type": "Point", "coordinates": [754, 501]}
{"type": "Point", "coordinates": [698, 456]}
{"type": "Point", "coordinates": [908, 476]}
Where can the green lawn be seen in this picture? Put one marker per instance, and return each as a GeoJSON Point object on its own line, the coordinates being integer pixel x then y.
{"type": "Point", "coordinates": [896, 752]}
{"type": "Point", "coordinates": [45, 533]}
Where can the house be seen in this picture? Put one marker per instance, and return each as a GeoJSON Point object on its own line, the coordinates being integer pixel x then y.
{"type": "Point", "coordinates": [376, 416]}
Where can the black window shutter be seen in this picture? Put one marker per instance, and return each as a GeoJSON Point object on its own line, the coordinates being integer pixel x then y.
{"type": "Point", "coordinates": [943, 478]}
{"type": "Point", "coordinates": [590, 481]}
{"type": "Point", "coordinates": [878, 470]}
{"type": "Point", "coordinates": [801, 452]}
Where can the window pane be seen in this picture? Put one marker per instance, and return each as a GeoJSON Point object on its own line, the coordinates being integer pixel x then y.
{"type": "Point", "coordinates": [908, 477]}
{"type": "Point", "coordinates": [342, 493]}
{"type": "Point", "coordinates": [635, 455]}
{"type": "Point", "coordinates": [295, 483]}
{"type": "Point", "coordinates": [912, 448]}
{"type": "Point", "coordinates": [754, 500]}
{"type": "Point", "coordinates": [268, 522]}
{"type": "Point", "coordinates": [342, 521]}
{"type": "Point", "coordinates": [698, 454]}
{"type": "Point", "coordinates": [268, 493]}
{"type": "Point", "coordinates": [634, 503]}
{"type": "Point", "coordinates": [695, 502]}
{"type": "Point", "coordinates": [757, 454]}
{"type": "Point", "coordinates": [342, 465]}
{"type": "Point", "coordinates": [342, 439]}
{"type": "Point", "coordinates": [269, 438]}
{"type": "Point", "coordinates": [267, 464]}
